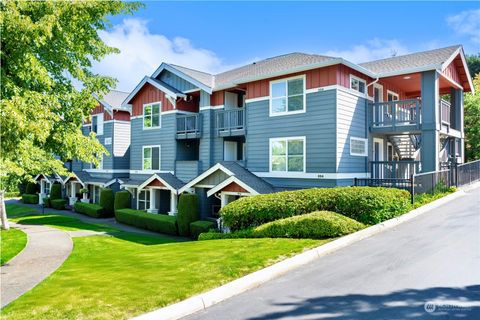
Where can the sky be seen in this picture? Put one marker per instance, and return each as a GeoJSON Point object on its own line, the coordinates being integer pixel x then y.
{"type": "Point", "coordinates": [217, 36]}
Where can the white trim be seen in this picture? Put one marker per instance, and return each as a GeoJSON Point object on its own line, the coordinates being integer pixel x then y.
{"type": "Point", "coordinates": [407, 71]}
{"type": "Point", "coordinates": [110, 182]}
{"type": "Point", "coordinates": [359, 80]}
{"type": "Point", "coordinates": [465, 66]}
{"type": "Point", "coordinates": [286, 139]}
{"type": "Point", "coordinates": [365, 141]}
{"type": "Point", "coordinates": [192, 90]}
{"type": "Point", "coordinates": [205, 186]}
{"type": "Point", "coordinates": [136, 117]}
{"type": "Point", "coordinates": [155, 176]}
{"type": "Point", "coordinates": [100, 123]}
{"type": "Point", "coordinates": [378, 86]}
{"type": "Point", "coordinates": [165, 66]}
{"type": "Point", "coordinates": [159, 115]}
{"type": "Point", "coordinates": [106, 170]}
{"type": "Point", "coordinates": [286, 112]}
{"type": "Point", "coordinates": [151, 155]}
{"type": "Point", "coordinates": [226, 182]}
{"type": "Point", "coordinates": [154, 83]}
{"type": "Point", "coordinates": [394, 94]}
{"type": "Point", "coordinates": [311, 175]}
{"type": "Point", "coordinates": [212, 107]}
{"type": "Point", "coordinates": [199, 178]}
{"type": "Point", "coordinates": [149, 171]}
{"type": "Point", "coordinates": [381, 156]}
{"type": "Point", "coordinates": [450, 80]}
{"type": "Point", "coordinates": [177, 111]}
{"type": "Point", "coordinates": [117, 121]}
{"type": "Point", "coordinates": [257, 99]}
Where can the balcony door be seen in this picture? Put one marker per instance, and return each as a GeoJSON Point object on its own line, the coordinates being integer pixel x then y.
{"type": "Point", "coordinates": [230, 150]}
{"type": "Point", "coordinates": [377, 155]}
{"type": "Point", "coordinates": [377, 98]}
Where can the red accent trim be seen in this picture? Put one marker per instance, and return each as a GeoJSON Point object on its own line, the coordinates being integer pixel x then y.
{"type": "Point", "coordinates": [149, 94]}
{"type": "Point", "coordinates": [156, 183]}
{"type": "Point", "coordinates": [234, 187]}
{"type": "Point", "coordinates": [121, 115]}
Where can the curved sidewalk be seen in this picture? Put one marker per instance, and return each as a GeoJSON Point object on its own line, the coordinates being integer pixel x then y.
{"type": "Point", "coordinates": [46, 250]}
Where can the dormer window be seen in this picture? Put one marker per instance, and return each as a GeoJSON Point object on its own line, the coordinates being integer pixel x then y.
{"type": "Point", "coordinates": [287, 96]}
{"type": "Point", "coordinates": [357, 84]}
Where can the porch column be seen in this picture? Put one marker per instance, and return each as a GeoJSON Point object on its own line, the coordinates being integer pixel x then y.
{"type": "Point", "coordinates": [430, 121]}
{"type": "Point", "coordinates": [152, 202]}
{"type": "Point", "coordinates": [223, 200]}
{"type": "Point", "coordinates": [85, 195]}
{"type": "Point", "coordinates": [72, 198]}
{"type": "Point", "coordinates": [173, 204]}
{"type": "Point", "coordinates": [457, 112]}
{"type": "Point", "coordinates": [42, 192]}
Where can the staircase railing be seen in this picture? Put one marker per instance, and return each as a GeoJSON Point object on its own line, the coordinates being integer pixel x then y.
{"type": "Point", "coordinates": [396, 113]}
{"type": "Point", "coordinates": [394, 169]}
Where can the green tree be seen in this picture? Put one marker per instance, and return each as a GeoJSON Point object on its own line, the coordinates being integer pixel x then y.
{"type": "Point", "coordinates": [472, 122]}
{"type": "Point", "coordinates": [47, 49]}
{"type": "Point", "coordinates": [473, 62]}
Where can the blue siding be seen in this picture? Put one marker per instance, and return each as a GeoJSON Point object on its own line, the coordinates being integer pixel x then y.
{"type": "Point", "coordinates": [296, 183]}
{"type": "Point", "coordinates": [317, 125]}
{"type": "Point", "coordinates": [187, 170]}
{"type": "Point", "coordinates": [211, 146]}
{"type": "Point", "coordinates": [175, 81]}
{"type": "Point", "coordinates": [107, 133]}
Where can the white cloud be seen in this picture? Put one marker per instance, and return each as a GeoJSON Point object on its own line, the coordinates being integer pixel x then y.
{"type": "Point", "coordinates": [372, 50]}
{"type": "Point", "coordinates": [141, 52]}
{"type": "Point", "coordinates": [466, 23]}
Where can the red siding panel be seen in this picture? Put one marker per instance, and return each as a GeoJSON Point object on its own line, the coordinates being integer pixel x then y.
{"type": "Point", "coordinates": [217, 98]}
{"type": "Point", "coordinates": [149, 94]}
{"type": "Point", "coordinates": [156, 183]}
{"type": "Point", "coordinates": [121, 115]}
{"type": "Point", "coordinates": [233, 187]}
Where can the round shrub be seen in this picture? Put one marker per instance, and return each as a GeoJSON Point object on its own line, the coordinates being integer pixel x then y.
{"type": "Point", "coordinates": [107, 201]}
{"type": "Point", "coordinates": [122, 200]}
{"type": "Point", "coordinates": [56, 191]}
{"type": "Point", "coordinates": [201, 226]}
{"type": "Point", "coordinates": [31, 188]}
{"type": "Point", "coordinates": [315, 225]}
{"type": "Point", "coordinates": [187, 213]}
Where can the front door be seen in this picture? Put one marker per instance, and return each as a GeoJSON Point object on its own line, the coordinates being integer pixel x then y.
{"type": "Point", "coordinates": [230, 151]}
{"type": "Point", "coordinates": [377, 154]}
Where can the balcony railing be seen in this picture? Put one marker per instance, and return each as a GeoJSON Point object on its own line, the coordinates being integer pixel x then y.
{"type": "Point", "coordinates": [445, 112]}
{"type": "Point", "coordinates": [394, 169]}
{"type": "Point", "coordinates": [231, 122]}
{"type": "Point", "coordinates": [188, 126]}
{"type": "Point", "coordinates": [398, 113]}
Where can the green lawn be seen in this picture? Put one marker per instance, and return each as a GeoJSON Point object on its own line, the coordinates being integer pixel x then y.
{"type": "Point", "coordinates": [62, 222]}
{"type": "Point", "coordinates": [15, 210]}
{"type": "Point", "coordinates": [12, 242]}
{"type": "Point", "coordinates": [119, 277]}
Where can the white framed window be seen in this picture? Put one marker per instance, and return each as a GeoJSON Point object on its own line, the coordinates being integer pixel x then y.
{"type": "Point", "coordinates": [152, 115]}
{"type": "Point", "coordinates": [97, 124]}
{"type": "Point", "coordinates": [144, 200]}
{"type": "Point", "coordinates": [151, 157]}
{"type": "Point", "coordinates": [392, 96]}
{"type": "Point", "coordinates": [108, 141]}
{"type": "Point", "coordinates": [95, 194]}
{"type": "Point", "coordinates": [358, 147]}
{"type": "Point", "coordinates": [287, 96]}
{"type": "Point", "coordinates": [46, 188]}
{"type": "Point", "coordinates": [287, 154]}
{"type": "Point", "coordinates": [358, 84]}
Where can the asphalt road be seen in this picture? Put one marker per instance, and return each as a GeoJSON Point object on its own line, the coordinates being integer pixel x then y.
{"type": "Point", "coordinates": [427, 268]}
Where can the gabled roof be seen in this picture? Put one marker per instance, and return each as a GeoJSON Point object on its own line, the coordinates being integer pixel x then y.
{"type": "Point", "coordinates": [85, 178]}
{"type": "Point", "coordinates": [233, 169]}
{"type": "Point", "coordinates": [200, 79]}
{"type": "Point", "coordinates": [203, 77]}
{"type": "Point", "coordinates": [50, 178]}
{"type": "Point", "coordinates": [160, 85]}
{"type": "Point", "coordinates": [168, 179]}
{"type": "Point", "coordinates": [113, 101]}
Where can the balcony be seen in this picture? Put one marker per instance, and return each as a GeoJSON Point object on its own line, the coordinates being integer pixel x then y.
{"type": "Point", "coordinates": [188, 126]}
{"type": "Point", "coordinates": [231, 122]}
{"type": "Point", "coordinates": [445, 112]}
{"type": "Point", "coordinates": [396, 116]}
{"type": "Point", "coordinates": [394, 169]}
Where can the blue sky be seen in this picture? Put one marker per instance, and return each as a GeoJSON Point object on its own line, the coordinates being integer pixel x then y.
{"type": "Point", "coordinates": [215, 36]}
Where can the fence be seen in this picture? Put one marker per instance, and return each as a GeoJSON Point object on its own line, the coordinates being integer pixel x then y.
{"type": "Point", "coordinates": [429, 182]}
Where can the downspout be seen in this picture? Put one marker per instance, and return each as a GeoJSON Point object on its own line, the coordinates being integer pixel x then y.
{"type": "Point", "coordinates": [366, 122]}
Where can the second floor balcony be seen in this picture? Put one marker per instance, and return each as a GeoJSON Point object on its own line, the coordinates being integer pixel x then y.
{"type": "Point", "coordinates": [395, 116]}
{"type": "Point", "coordinates": [188, 126]}
{"type": "Point", "coordinates": [231, 122]}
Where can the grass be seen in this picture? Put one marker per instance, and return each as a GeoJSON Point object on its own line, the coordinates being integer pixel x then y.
{"type": "Point", "coordinates": [63, 222]}
{"type": "Point", "coordinates": [424, 198]}
{"type": "Point", "coordinates": [126, 275]}
{"type": "Point", "coordinates": [12, 242]}
{"type": "Point", "coordinates": [16, 210]}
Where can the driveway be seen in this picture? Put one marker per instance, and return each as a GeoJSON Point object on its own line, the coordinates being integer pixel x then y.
{"type": "Point", "coordinates": [427, 268]}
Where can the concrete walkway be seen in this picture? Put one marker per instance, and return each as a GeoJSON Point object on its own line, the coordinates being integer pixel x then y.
{"type": "Point", "coordinates": [46, 250]}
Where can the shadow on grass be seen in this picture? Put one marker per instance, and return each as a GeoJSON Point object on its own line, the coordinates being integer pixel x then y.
{"type": "Point", "coordinates": [441, 303]}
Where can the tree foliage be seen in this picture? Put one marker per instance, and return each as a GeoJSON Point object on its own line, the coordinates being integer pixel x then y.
{"type": "Point", "coordinates": [473, 62]}
{"type": "Point", "coordinates": [472, 121]}
{"type": "Point", "coordinates": [47, 50]}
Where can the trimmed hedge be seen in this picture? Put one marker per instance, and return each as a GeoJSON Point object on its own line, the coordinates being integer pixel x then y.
{"type": "Point", "coordinates": [46, 202]}
{"type": "Point", "coordinates": [216, 235]}
{"type": "Point", "coordinates": [56, 191]}
{"type": "Point", "coordinates": [187, 213]}
{"type": "Point", "coordinates": [107, 201]}
{"type": "Point", "coordinates": [58, 204]}
{"type": "Point", "coordinates": [200, 226]}
{"type": "Point", "coordinates": [90, 209]}
{"type": "Point", "coordinates": [315, 225]}
{"type": "Point", "coordinates": [30, 198]}
{"type": "Point", "coordinates": [122, 200]}
{"type": "Point", "coordinates": [150, 221]}
{"type": "Point", "coordinates": [368, 205]}
{"type": "Point", "coordinates": [31, 188]}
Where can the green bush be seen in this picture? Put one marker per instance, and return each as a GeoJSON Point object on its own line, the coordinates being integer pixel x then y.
{"type": "Point", "coordinates": [368, 205]}
{"type": "Point", "coordinates": [106, 201]}
{"type": "Point", "coordinates": [31, 188]}
{"type": "Point", "coordinates": [30, 198]}
{"type": "Point", "coordinates": [13, 194]}
{"type": "Point", "coordinates": [150, 221]}
{"type": "Point", "coordinates": [56, 191]}
{"type": "Point", "coordinates": [90, 209]}
{"type": "Point", "coordinates": [58, 204]}
{"type": "Point", "coordinates": [215, 235]}
{"type": "Point", "coordinates": [46, 202]}
{"type": "Point", "coordinates": [315, 225]}
{"type": "Point", "coordinates": [122, 200]}
{"type": "Point", "coordinates": [200, 226]}
{"type": "Point", "coordinates": [187, 213]}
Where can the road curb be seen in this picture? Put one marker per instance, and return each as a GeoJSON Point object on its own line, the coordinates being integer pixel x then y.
{"type": "Point", "coordinates": [257, 278]}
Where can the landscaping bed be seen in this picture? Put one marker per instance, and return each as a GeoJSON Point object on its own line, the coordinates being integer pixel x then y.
{"type": "Point", "coordinates": [154, 222]}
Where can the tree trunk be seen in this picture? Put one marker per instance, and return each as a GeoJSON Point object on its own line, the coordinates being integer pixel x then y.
{"type": "Point", "coordinates": [3, 211]}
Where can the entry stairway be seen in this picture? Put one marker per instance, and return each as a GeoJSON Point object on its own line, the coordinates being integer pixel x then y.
{"type": "Point", "coordinates": [406, 146]}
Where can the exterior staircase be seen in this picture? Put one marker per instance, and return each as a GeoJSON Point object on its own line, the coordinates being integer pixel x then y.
{"type": "Point", "coordinates": [406, 146]}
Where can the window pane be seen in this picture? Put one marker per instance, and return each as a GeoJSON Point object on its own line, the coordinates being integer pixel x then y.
{"type": "Point", "coordinates": [278, 148]}
{"type": "Point", "coordinates": [295, 147]}
{"type": "Point", "coordinates": [354, 84]}
{"type": "Point", "coordinates": [295, 163]}
{"type": "Point", "coordinates": [147, 161]}
{"type": "Point", "coordinates": [156, 120]}
{"type": "Point", "coordinates": [147, 121]}
{"type": "Point", "coordinates": [156, 109]}
{"type": "Point", "coordinates": [155, 158]}
{"type": "Point", "coordinates": [278, 163]}
{"type": "Point", "coordinates": [147, 195]}
{"type": "Point", "coordinates": [295, 103]}
{"type": "Point", "coordinates": [279, 105]}
{"type": "Point", "coordinates": [147, 110]}
{"type": "Point", "coordinates": [94, 124]}
{"type": "Point", "coordinates": [279, 89]}
{"type": "Point", "coordinates": [295, 87]}
{"type": "Point", "coordinates": [361, 87]}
